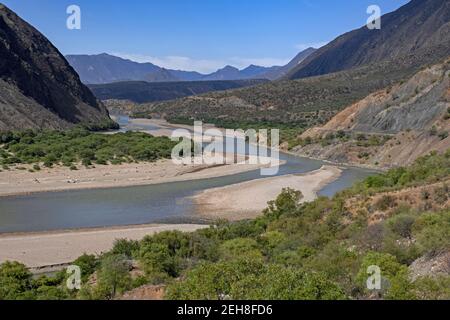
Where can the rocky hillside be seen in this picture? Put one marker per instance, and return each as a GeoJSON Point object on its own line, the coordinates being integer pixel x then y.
{"type": "Point", "coordinates": [38, 88]}
{"type": "Point", "coordinates": [105, 68]}
{"type": "Point", "coordinates": [142, 92]}
{"type": "Point", "coordinates": [418, 25]}
{"type": "Point", "coordinates": [412, 37]}
{"type": "Point", "coordinates": [301, 103]}
{"type": "Point", "coordinates": [283, 71]}
{"type": "Point", "coordinates": [391, 127]}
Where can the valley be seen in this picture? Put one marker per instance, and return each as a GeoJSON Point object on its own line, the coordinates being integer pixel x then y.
{"type": "Point", "coordinates": [90, 175]}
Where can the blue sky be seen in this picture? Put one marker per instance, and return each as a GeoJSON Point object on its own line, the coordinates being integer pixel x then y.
{"type": "Point", "coordinates": [200, 35]}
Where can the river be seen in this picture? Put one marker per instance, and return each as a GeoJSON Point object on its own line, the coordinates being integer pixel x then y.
{"type": "Point", "coordinates": [161, 203]}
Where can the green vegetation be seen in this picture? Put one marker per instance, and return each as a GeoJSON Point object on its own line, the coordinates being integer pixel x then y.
{"type": "Point", "coordinates": [356, 139]}
{"type": "Point", "coordinates": [79, 145]}
{"type": "Point", "coordinates": [428, 169]}
{"type": "Point", "coordinates": [316, 250]}
{"type": "Point", "coordinates": [289, 133]}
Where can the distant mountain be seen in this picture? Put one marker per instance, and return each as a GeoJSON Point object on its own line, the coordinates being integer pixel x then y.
{"type": "Point", "coordinates": [187, 75]}
{"type": "Point", "coordinates": [253, 71]}
{"type": "Point", "coordinates": [417, 26]}
{"type": "Point", "coordinates": [309, 101]}
{"type": "Point", "coordinates": [226, 73]}
{"type": "Point", "coordinates": [38, 88]}
{"type": "Point", "coordinates": [280, 72]}
{"type": "Point", "coordinates": [161, 75]}
{"type": "Point", "coordinates": [105, 68]}
{"type": "Point", "coordinates": [144, 92]}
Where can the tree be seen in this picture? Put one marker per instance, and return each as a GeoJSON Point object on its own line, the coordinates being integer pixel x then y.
{"type": "Point", "coordinates": [87, 264]}
{"type": "Point", "coordinates": [240, 248]}
{"type": "Point", "coordinates": [15, 281]}
{"type": "Point", "coordinates": [286, 202]}
{"type": "Point", "coordinates": [113, 276]}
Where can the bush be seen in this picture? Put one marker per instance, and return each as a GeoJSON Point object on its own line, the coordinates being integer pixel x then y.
{"type": "Point", "coordinates": [15, 281]}
{"type": "Point", "coordinates": [68, 147]}
{"type": "Point", "coordinates": [385, 202]}
{"type": "Point", "coordinates": [402, 225]}
{"type": "Point", "coordinates": [395, 277]}
{"type": "Point", "coordinates": [239, 248]}
{"type": "Point", "coordinates": [249, 280]}
{"type": "Point", "coordinates": [113, 277]}
{"type": "Point", "coordinates": [88, 264]}
{"type": "Point", "coordinates": [128, 248]}
{"type": "Point", "coordinates": [432, 231]}
{"type": "Point", "coordinates": [428, 288]}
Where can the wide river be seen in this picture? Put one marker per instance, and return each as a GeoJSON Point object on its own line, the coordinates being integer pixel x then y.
{"type": "Point", "coordinates": [161, 203]}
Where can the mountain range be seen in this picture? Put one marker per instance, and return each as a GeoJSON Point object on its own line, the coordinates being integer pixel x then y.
{"type": "Point", "coordinates": [144, 91]}
{"type": "Point", "coordinates": [104, 68]}
{"type": "Point", "coordinates": [38, 88]}
{"type": "Point", "coordinates": [391, 127]}
{"type": "Point", "coordinates": [336, 76]}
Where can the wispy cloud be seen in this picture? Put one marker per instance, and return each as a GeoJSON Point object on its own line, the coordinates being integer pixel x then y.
{"type": "Point", "coordinates": [317, 45]}
{"type": "Point", "coordinates": [201, 65]}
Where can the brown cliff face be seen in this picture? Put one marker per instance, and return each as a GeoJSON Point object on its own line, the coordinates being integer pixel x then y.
{"type": "Point", "coordinates": [38, 88]}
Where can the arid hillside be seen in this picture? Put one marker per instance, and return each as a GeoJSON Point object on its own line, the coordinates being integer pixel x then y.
{"type": "Point", "coordinates": [38, 88]}
{"type": "Point", "coordinates": [391, 127]}
{"type": "Point", "coordinates": [418, 25]}
{"type": "Point", "coordinates": [301, 103]}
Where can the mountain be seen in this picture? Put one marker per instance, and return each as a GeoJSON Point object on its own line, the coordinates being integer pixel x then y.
{"type": "Point", "coordinates": [161, 75]}
{"type": "Point", "coordinates": [187, 75]}
{"type": "Point", "coordinates": [104, 68]}
{"type": "Point", "coordinates": [280, 72]}
{"type": "Point", "coordinates": [298, 103]}
{"type": "Point", "coordinates": [419, 25]}
{"type": "Point", "coordinates": [252, 72]}
{"type": "Point", "coordinates": [391, 127]}
{"type": "Point", "coordinates": [38, 88]}
{"type": "Point", "coordinates": [309, 101]}
{"type": "Point", "coordinates": [144, 92]}
{"type": "Point", "coordinates": [226, 73]}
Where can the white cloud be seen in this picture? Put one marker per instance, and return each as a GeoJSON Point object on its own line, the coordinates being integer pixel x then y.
{"type": "Point", "coordinates": [316, 45]}
{"type": "Point", "coordinates": [201, 65]}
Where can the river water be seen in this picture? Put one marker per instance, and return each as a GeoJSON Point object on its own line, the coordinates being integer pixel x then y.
{"type": "Point", "coordinates": [161, 203]}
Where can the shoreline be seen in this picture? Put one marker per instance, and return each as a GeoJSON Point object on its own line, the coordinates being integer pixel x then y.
{"type": "Point", "coordinates": [168, 125]}
{"type": "Point", "coordinates": [55, 249]}
{"type": "Point", "coordinates": [61, 179]}
{"type": "Point", "coordinates": [231, 202]}
{"type": "Point", "coordinates": [339, 164]}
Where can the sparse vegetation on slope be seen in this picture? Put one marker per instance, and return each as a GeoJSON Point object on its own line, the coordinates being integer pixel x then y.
{"type": "Point", "coordinates": [145, 92]}
{"type": "Point", "coordinates": [321, 249]}
{"type": "Point", "coordinates": [388, 128]}
{"type": "Point", "coordinates": [302, 103]}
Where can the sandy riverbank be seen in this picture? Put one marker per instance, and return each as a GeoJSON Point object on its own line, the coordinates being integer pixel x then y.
{"type": "Point", "coordinates": [45, 249]}
{"type": "Point", "coordinates": [18, 182]}
{"type": "Point", "coordinates": [247, 200]}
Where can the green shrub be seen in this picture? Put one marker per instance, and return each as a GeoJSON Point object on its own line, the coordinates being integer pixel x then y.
{"type": "Point", "coordinates": [15, 281]}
